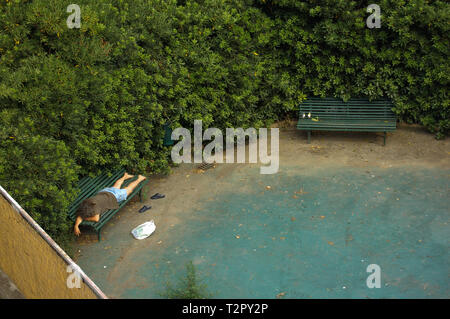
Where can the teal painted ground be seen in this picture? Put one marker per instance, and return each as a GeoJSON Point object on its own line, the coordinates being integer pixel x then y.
{"type": "Point", "coordinates": [254, 242]}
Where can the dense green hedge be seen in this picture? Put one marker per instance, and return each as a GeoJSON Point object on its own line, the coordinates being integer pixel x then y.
{"type": "Point", "coordinates": [328, 50]}
{"type": "Point", "coordinates": [77, 101]}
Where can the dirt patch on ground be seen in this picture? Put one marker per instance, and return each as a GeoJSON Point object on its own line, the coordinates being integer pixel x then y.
{"type": "Point", "coordinates": [188, 189]}
{"type": "Point", "coordinates": [187, 186]}
{"type": "Point", "coordinates": [408, 145]}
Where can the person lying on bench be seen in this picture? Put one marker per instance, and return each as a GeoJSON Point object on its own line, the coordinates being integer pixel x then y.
{"type": "Point", "coordinates": [108, 198]}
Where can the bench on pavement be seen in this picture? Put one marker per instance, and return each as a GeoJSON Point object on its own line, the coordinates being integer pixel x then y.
{"type": "Point", "coordinates": [91, 186]}
{"type": "Point", "coordinates": [330, 114]}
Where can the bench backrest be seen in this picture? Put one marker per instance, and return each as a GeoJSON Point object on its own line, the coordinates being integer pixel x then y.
{"type": "Point", "coordinates": [352, 109]}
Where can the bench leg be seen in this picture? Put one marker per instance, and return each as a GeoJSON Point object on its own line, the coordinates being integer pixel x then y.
{"type": "Point", "coordinates": [140, 195]}
{"type": "Point", "coordinates": [309, 137]}
{"type": "Point", "coordinates": [384, 142]}
{"type": "Point", "coordinates": [99, 235]}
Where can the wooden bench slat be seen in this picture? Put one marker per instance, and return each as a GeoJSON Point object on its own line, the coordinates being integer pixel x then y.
{"type": "Point", "coordinates": [353, 108]}
{"type": "Point", "coordinates": [344, 121]}
{"type": "Point", "coordinates": [361, 126]}
{"type": "Point", "coordinates": [344, 110]}
{"type": "Point", "coordinates": [342, 113]}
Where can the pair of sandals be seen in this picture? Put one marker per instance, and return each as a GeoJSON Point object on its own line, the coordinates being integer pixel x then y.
{"type": "Point", "coordinates": [146, 208]}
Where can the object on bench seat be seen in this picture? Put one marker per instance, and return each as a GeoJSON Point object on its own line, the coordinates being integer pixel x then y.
{"type": "Point", "coordinates": [91, 186]}
{"type": "Point", "coordinates": [330, 114]}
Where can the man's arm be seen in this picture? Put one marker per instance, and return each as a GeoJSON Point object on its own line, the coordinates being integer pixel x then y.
{"type": "Point", "coordinates": [76, 230]}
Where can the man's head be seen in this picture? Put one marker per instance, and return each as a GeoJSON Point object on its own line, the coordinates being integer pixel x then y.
{"type": "Point", "coordinates": [88, 208]}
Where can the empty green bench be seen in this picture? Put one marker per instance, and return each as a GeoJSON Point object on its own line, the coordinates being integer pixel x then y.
{"type": "Point", "coordinates": [91, 186]}
{"type": "Point", "coordinates": [330, 114]}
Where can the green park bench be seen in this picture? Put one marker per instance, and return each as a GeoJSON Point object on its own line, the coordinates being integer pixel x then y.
{"type": "Point", "coordinates": [330, 114]}
{"type": "Point", "coordinates": [90, 186]}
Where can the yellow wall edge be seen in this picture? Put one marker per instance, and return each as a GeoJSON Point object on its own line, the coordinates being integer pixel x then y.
{"type": "Point", "coordinates": [31, 263]}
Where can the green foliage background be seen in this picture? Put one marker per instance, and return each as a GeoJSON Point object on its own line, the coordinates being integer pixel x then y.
{"type": "Point", "coordinates": [79, 101]}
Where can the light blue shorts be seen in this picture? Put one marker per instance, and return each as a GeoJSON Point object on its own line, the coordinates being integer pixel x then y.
{"type": "Point", "coordinates": [120, 194]}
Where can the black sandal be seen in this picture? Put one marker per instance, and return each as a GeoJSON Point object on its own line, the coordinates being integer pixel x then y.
{"type": "Point", "coordinates": [144, 209]}
{"type": "Point", "coordinates": [158, 196]}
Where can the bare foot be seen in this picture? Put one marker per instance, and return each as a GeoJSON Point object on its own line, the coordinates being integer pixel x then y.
{"type": "Point", "coordinates": [127, 176]}
{"type": "Point", "coordinates": [141, 177]}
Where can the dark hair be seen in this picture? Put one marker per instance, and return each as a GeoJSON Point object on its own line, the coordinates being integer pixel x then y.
{"type": "Point", "coordinates": [87, 208]}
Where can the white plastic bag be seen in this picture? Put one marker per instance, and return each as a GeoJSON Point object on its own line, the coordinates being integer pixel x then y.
{"type": "Point", "coordinates": [144, 230]}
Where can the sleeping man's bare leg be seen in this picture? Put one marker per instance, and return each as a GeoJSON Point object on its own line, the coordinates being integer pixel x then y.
{"type": "Point", "coordinates": [133, 184]}
{"type": "Point", "coordinates": [119, 182]}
